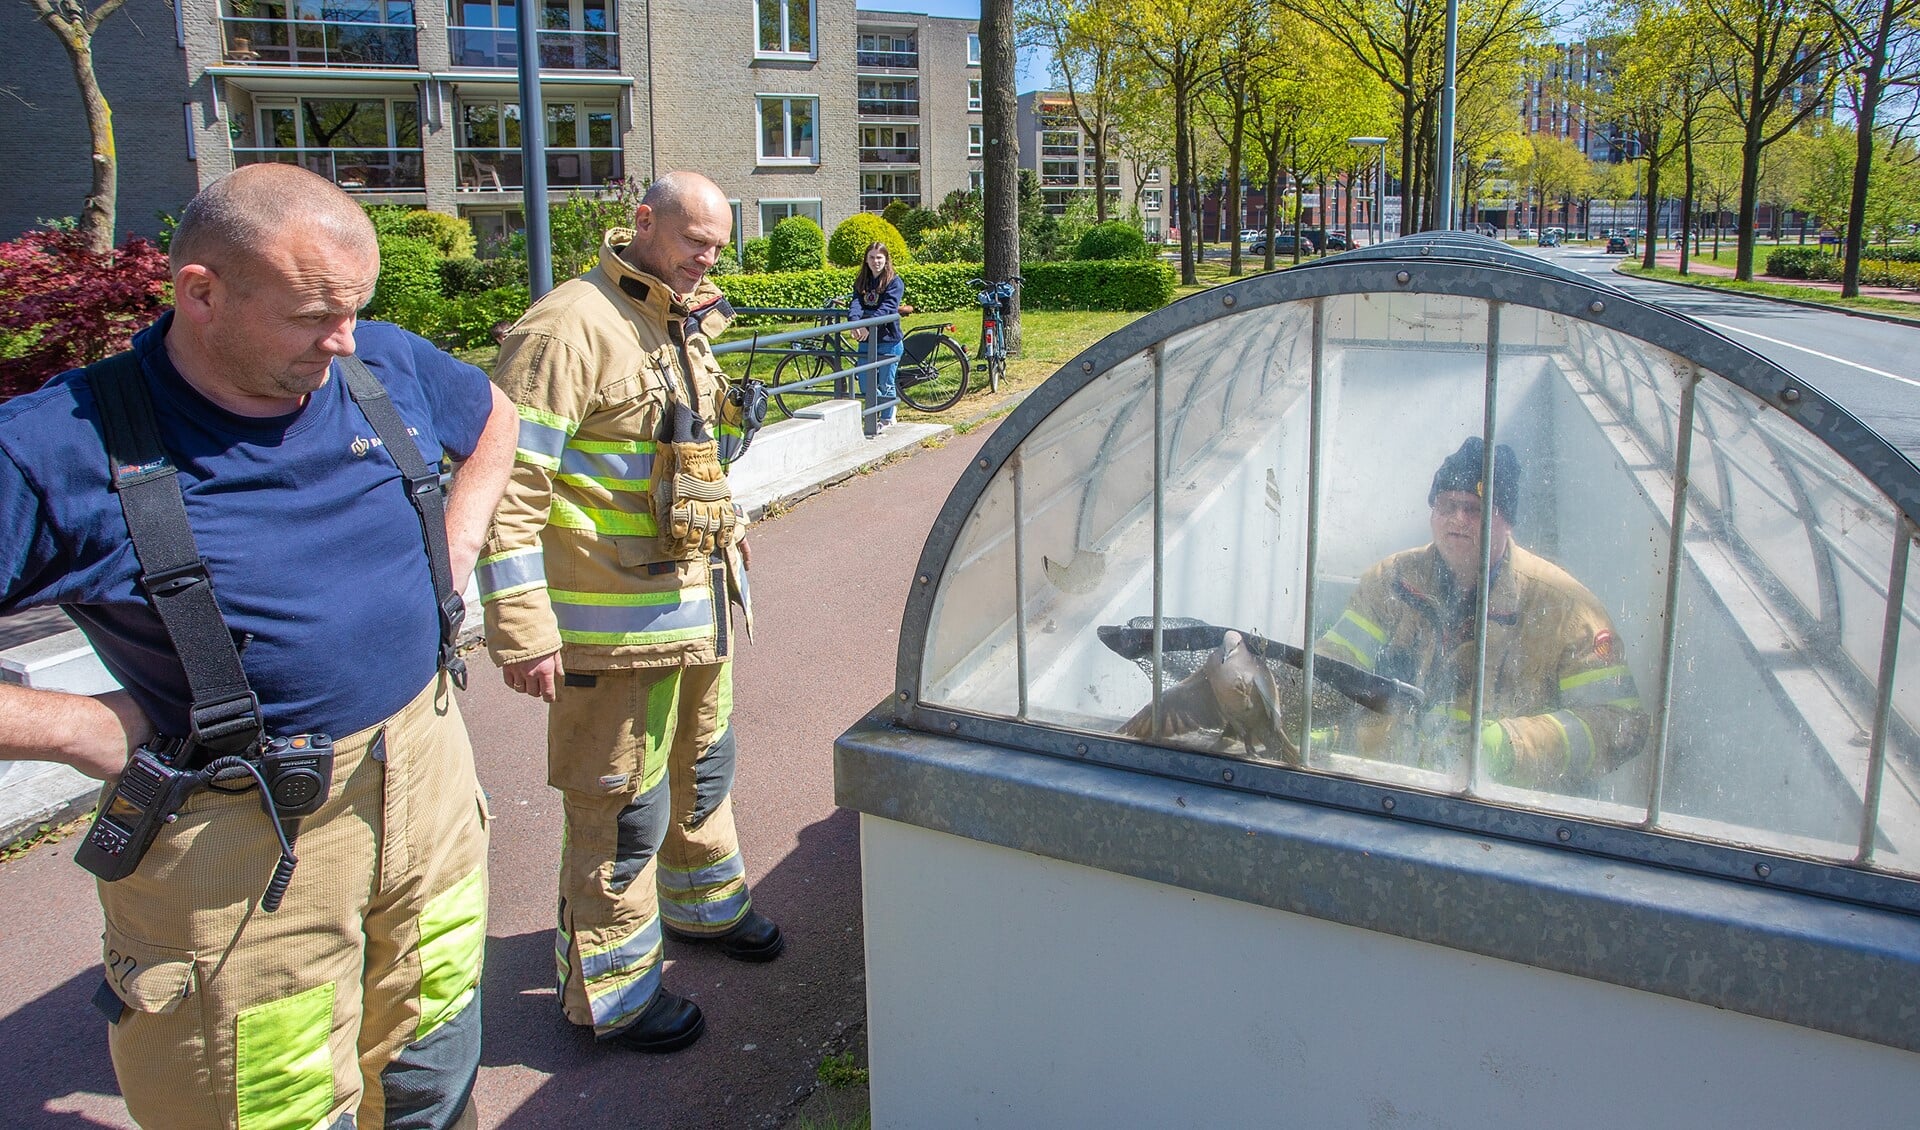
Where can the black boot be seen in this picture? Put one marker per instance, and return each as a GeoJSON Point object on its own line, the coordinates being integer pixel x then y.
{"type": "Point", "coordinates": [666, 1025]}
{"type": "Point", "coordinates": [754, 938]}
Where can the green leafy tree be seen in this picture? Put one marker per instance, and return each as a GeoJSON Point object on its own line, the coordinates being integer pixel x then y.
{"type": "Point", "coordinates": [1881, 40]}
{"type": "Point", "coordinates": [796, 244]}
{"type": "Point", "coordinates": [1088, 60]}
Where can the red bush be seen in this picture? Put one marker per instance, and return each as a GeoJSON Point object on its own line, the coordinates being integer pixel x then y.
{"type": "Point", "coordinates": [82, 305]}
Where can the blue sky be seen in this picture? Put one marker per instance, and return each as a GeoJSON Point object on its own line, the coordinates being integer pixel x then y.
{"type": "Point", "coordinates": [1032, 74]}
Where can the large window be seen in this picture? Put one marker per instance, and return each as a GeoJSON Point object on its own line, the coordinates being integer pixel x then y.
{"type": "Point", "coordinates": [573, 34]}
{"type": "Point", "coordinates": [366, 143]}
{"type": "Point", "coordinates": [973, 50]}
{"type": "Point", "coordinates": [891, 97]}
{"type": "Point", "coordinates": [877, 190]}
{"type": "Point", "coordinates": [786, 129]}
{"type": "Point", "coordinates": [773, 211]}
{"type": "Point", "coordinates": [308, 33]}
{"type": "Point", "coordinates": [583, 147]}
{"type": "Point", "coordinates": [887, 49]}
{"type": "Point", "coordinates": [785, 27]}
{"type": "Point", "coordinates": [973, 94]}
{"type": "Point", "coordinates": [891, 145]}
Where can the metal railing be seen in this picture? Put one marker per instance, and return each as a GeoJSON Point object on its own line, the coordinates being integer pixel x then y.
{"type": "Point", "coordinates": [890, 155]}
{"type": "Point", "coordinates": [830, 341]}
{"type": "Point", "coordinates": [318, 43]}
{"type": "Point", "coordinates": [890, 107]}
{"type": "Point", "coordinates": [356, 170]}
{"type": "Point", "coordinates": [907, 60]}
{"type": "Point", "coordinates": [560, 49]}
{"type": "Point", "coordinates": [487, 170]}
{"type": "Point", "coordinates": [875, 201]}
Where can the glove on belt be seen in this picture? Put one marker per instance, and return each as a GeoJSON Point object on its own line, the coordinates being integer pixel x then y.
{"type": "Point", "coordinates": [692, 500]}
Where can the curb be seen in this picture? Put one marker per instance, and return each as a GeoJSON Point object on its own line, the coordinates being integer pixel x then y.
{"type": "Point", "coordinates": [1871, 315]}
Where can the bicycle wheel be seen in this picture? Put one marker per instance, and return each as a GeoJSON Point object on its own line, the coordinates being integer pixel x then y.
{"type": "Point", "coordinates": [933, 372]}
{"type": "Point", "coordinates": [799, 367]}
{"type": "Point", "coordinates": [996, 368]}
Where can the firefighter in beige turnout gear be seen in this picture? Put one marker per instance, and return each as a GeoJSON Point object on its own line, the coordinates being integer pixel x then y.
{"type": "Point", "coordinates": [1560, 707]}
{"type": "Point", "coordinates": [607, 579]}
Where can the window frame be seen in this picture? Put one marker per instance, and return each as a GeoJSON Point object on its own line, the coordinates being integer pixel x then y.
{"type": "Point", "coordinates": [786, 51]}
{"type": "Point", "coordinates": [976, 139]}
{"type": "Point", "coordinates": [761, 158]}
{"type": "Point", "coordinates": [976, 95]}
{"type": "Point", "coordinates": [973, 49]}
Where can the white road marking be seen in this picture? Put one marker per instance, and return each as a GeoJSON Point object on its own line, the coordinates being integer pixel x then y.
{"type": "Point", "coordinates": [1814, 352]}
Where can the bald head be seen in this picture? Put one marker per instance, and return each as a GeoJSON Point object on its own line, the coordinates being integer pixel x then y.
{"type": "Point", "coordinates": [681, 192]}
{"type": "Point", "coordinates": [233, 222]}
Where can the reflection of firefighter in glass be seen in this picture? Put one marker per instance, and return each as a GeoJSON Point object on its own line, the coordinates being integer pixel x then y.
{"type": "Point", "coordinates": [1560, 704]}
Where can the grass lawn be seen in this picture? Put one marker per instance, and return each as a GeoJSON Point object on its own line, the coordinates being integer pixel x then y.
{"type": "Point", "coordinates": [1785, 290]}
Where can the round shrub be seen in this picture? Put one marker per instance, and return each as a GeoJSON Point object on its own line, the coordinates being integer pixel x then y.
{"type": "Point", "coordinates": [451, 236]}
{"type": "Point", "coordinates": [753, 256]}
{"type": "Point", "coordinates": [1115, 239]}
{"type": "Point", "coordinates": [409, 274]}
{"type": "Point", "coordinates": [858, 232]}
{"type": "Point", "coordinates": [797, 244]}
{"type": "Point", "coordinates": [954, 243]}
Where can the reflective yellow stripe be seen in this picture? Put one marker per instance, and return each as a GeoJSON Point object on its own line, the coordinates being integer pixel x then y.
{"type": "Point", "coordinates": [1582, 678]}
{"type": "Point", "coordinates": [283, 1072]}
{"type": "Point", "coordinates": [618, 523]}
{"type": "Point", "coordinates": [663, 714]}
{"type": "Point", "coordinates": [453, 939]}
{"type": "Point", "coordinates": [1365, 625]}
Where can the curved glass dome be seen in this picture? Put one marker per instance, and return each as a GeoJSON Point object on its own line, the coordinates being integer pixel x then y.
{"type": "Point", "coordinates": [1684, 575]}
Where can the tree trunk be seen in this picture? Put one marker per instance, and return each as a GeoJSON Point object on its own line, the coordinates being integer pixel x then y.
{"type": "Point", "coordinates": [1184, 190]}
{"type": "Point", "coordinates": [97, 212]}
{"type": "Point", "coordinates": [1652, 227]}
{"type": "Point", "coordinates": [1233, 199]}
{"type": "Point", "coordinates": [999, 110]}
{"type": "Point", "coordinates": [1863, 155]}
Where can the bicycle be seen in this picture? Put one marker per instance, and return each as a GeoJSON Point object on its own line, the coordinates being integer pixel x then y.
{"type": "Point", "coordinates": [996, 306]}
{"type": "Point", "coordinates": [818, 358]}
{"type": "Point", "coordinates": [933, 369]}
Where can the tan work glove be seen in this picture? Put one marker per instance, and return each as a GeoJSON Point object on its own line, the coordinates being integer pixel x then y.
{"type": "Point", "coordinates": [692, 501]}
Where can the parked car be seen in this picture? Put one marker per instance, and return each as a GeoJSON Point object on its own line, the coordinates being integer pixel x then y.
{"type": "Point", "coordinates": [1250, 235]}
{"type": "Point", "coordinates": [1282, 244]}
{"type": "Point", "coordinates": [1618, 245]}
{"type": "Point", "coordinates": [1549, 238]}
{"type": "Point", "coordinates": [1529, 233]}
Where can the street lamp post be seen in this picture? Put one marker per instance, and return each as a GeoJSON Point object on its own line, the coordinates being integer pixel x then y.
{"type": "Point", "coordinates": [1379, 184]}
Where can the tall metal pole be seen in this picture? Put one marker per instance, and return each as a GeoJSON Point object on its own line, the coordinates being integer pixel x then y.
{"type": "Point", "coordinates": [533, 153]}
{"type": "Point", "coordinates": [1443, 152]}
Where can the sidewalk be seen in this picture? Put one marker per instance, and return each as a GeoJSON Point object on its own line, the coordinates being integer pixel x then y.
{"type": "Point", "coordinates": [1671, 259]}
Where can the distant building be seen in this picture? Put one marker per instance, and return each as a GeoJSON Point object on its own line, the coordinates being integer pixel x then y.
{"type": "Point", "coordinates": [1058, 150]}
{"type": "Point", "coordinates": [793, 106]}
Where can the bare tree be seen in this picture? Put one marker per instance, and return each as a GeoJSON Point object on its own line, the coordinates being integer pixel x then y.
{"type": "Point", "coordinates": [76, 25]}
{"type": "Point", "coordinates": [999, 111]}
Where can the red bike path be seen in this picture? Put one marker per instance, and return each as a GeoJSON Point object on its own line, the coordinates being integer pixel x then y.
{"type": "Point", "coordinates": [830, 580]}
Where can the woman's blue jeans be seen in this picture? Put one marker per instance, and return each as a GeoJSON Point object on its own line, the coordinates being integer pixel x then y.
{"type": "Point", "coordinates": [886, 375]}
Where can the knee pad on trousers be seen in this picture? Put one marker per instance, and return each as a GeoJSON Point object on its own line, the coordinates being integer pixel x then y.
{"type": "Point", "coordinates": [641, 826]}
{"type": "Point", "coordinates": [712, 779]}
{"type": "Point", "coordinates": [416, 1082]}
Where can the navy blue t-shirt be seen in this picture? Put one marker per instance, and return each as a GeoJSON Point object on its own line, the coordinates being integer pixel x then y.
{"type": "Point", "coordinates": [316, 554]}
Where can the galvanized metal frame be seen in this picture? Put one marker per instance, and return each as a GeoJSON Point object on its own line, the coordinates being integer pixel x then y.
{"type": "Point", "coordinates": [1463, 267]}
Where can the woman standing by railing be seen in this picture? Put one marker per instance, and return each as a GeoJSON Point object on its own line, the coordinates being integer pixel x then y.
{"type": "Point", "coordinates": [876, 294]}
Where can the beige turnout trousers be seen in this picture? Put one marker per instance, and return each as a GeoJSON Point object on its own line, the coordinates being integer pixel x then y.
{"type": "Point", "coordinates": [357, 1002]}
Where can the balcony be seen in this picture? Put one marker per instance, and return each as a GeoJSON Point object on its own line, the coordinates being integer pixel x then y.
{"type": "Point", "coordinates": [318, 43]}
{"type": "Point", "coordinates": [878, 201]}
{"type": "Point", "coordinates": [560, 49]}
{"type": "Point", "coordinates": [890, 155]}
{"type": "Point", "coordinates": [889, 107]}
{"type": "Point", "coordinates": [356, 170]}
{"type": "Point", "coordinates": [489, 170]}
{"type": "Point", "coordinates": [1063, 152]}
{"type": "Point", "coordinates": [899, 60]}
{"type": "Point", "coordinates": [1053, 180]}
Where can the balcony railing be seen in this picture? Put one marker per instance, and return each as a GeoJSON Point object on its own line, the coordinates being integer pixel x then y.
{"type": "Point", "coordinates": [890, 107]}
{"type": "Point", "coordinates": [1053, 180]}
{"type": "Point", "coordinates": [356, 170]}
{"type": "Point", "coordinates": [909, 60]}
{"type": "Point", "coordinates": [878, 201]}
{"type": "Point", "coordinates": [560, 50]}
{"type": "Point", "coordinates": [890, 155]}
{"type": "Point", "coordinates": [490, 169]}
{"type": "Point", "coordinates": [318, 43]}
{"type": "Point", "coordinates": [1068, 152]}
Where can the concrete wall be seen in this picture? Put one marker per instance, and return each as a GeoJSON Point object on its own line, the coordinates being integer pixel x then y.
{"type": "Point", "coordinates": [46, 173]}
{"type": "Point", "coordinates": [1006, 989]}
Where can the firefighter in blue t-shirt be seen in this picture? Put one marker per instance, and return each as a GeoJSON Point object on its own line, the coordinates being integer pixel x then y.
{"type": "Point", "coordinates": [357, 1002]}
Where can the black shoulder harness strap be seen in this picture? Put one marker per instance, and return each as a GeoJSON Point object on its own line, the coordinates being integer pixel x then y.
{"type": "Point", "coordinates": [429, 501]}
{"type": "Point", "coordinates": [225, 714]}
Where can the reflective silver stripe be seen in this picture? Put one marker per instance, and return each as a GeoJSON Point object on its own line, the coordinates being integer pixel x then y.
{"type": "Point", "coordinates": [542, 441]}
{"type": "Point", "coordinates": [619, 466]}
{"type": "Point", "coordinates": [622, 956]}
{"type": "Point", "coordinates": [732, 867]}
{"type": "Point", "coordinates": [511, 573]}
{"type": "Point", "coordinates": [720, 912]}
{"type": "Point", "coordinates": [729, 442]}
{"type": "Point", "coordinates": [693, 609]}
{"type": "Point", "coordinates": [1580, 751]}
{"type": "Point", "coordinates": [616, 1008]}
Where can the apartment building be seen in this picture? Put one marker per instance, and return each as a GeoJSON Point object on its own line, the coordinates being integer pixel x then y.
{"type": "Point", "coordinates": [1058, 150]}
{"type": "Point", "coordinates": [793, 106]}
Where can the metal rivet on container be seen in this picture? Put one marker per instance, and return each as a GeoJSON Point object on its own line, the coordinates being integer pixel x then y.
{"type": "Point", "coordinates": [1081, 749]}
{"type": "Point", "coordinates": [1563, 834]}
{"type": "Point", "coordinates": [903, 696]}
{"type": "Point", "coordinates": [953, 725]}
{"type": "Point", "coordinates": [925, 580]}
{"type": "Point", "coordinates": [1226, 300]}
{"type": "Point", "coordinates": [1597, 307]}
{"type": "Point", "coordinates": [1403, 278]}
{"type": "Point", "coordinates": [1086, 366]}
{"type": "Point", "coordinates": [1790, 395]}
{"type": "Point", "coordinates": [1386, 803]}
{"type": "Point", "coordinates": [1226, 774]}
{"type": "Point", "coordinates": [983, 464]}
{"type": "Point", "coordinates": [1762, 870]}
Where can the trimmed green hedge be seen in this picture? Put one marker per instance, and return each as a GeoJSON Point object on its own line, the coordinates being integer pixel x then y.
{"type": "Point", "coordinates": [1115, 239]}
{"type": "Point", "coordinates": [1801, 263]}
{"type": "Point", "coordinates": [1120, 284]}
{"type": "Point", "coordinates": [1875, 270]}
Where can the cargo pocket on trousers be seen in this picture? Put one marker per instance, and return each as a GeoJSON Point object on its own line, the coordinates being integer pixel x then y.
{"type": "Point", "coordinates": [141, 976]}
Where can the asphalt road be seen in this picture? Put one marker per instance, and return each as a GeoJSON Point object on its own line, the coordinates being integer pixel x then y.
{"type": "Point", "coordinates": [830, 581]}
{"type": "Point", "coordinates": [1869, 367]}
